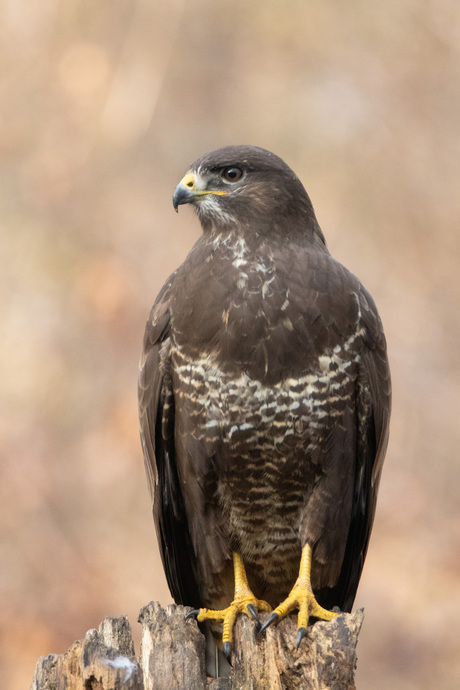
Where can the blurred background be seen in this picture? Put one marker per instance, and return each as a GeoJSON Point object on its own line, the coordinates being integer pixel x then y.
{"type": "Point", "coordinates": [103, 106]}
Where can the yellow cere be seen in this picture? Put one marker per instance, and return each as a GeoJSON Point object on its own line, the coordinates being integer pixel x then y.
{"type": "Point", "coordinates": [189, 181]}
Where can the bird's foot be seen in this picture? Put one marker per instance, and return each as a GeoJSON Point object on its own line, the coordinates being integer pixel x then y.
{"type": "Point", "coordinates": [303, 600]}
{"type": "Point", "coordinates": [301, 597]}
{"type": "Point", "coordinates": [244, 603]}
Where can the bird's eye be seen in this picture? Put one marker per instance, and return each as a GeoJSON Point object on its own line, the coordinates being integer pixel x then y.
{"type": "Point", "coordinates": [231, 174]}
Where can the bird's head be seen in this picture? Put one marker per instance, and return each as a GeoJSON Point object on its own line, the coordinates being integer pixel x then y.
{"type": "Point", "coordinates": [249, 188]}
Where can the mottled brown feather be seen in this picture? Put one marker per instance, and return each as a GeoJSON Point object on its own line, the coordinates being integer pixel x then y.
{"type": "Point", "coordinates": [264, 397]}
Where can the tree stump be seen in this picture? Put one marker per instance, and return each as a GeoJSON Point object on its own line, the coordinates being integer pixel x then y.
{"type": "Point", "coordinates": [173, 656]}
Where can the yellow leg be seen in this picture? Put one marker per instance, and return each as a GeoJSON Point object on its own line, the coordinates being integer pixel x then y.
{"type": "Point", "coordinates": [301, 597]}
{"type": "Point", "coordinates": [244, 601]}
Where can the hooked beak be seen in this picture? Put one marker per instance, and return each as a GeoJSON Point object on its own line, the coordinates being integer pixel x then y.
{"type": "Point", "coordinates": [184, 192]}
{"type": "Point", "coordinates": [188, 191]}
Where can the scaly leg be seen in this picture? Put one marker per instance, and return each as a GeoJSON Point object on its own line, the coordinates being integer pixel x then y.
{"type": "Point", "coordinates": [244, 601]}
{"type": "Point", "coordinates": [301, 597]}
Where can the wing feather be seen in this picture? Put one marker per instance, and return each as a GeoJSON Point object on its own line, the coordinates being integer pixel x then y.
{"type": "Point", "coordinates": [373, 406]}
{"type": "Point", "coordinates": [157, 419]}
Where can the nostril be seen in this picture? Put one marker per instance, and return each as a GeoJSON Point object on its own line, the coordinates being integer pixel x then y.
{"type": "Point", "coordinates": [189, 184]}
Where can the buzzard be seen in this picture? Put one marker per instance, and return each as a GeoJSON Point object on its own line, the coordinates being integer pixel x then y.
{"type": "Point", "coordinates": [264, 398]}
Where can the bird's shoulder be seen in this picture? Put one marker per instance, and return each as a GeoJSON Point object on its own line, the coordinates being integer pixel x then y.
{"type": "Point", "coordinates": [158, 323]}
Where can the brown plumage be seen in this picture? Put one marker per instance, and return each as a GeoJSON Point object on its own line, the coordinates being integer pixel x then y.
{"type": "Point", "coordinates": [264, 394]}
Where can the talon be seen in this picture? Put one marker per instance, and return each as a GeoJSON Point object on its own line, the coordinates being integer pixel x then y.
{"type": "Point", "coordinates": [301, 632]}
{"type": "Point", "coordinates": [253, 612]}
{"type": "Point", "coordinates": [193, 614]}
{"type": "Point", "coordinates": [274, 617]}
{"type": "Point", "coordinates": [228, 652]}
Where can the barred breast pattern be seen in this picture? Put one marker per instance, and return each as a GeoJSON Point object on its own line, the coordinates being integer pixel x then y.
{"type": "Point", "coordinates": [267, 444]}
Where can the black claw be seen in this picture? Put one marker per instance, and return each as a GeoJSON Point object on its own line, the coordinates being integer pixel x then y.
{"type": "Point", "coordinates": [192, 614]}
{"type": "Point", "coordinates": [253, 612]}
{"type": "Point", "coordinates": [228, 652]}
{"type": "Point", "coordinates": [273, 617]}
{"type": "Point", "coordinates": [301, 632]}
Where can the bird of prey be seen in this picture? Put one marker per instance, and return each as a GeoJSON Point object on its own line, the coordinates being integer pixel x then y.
{"type": "Point", "coordinates": [264, 398]}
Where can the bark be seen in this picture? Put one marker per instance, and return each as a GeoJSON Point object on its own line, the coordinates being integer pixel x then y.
{"type": "Point", "coordinates": [173, 656]}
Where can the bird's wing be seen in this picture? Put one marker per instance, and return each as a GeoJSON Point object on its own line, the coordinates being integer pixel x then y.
{"type": "Point", "coordinates": [373, 404]}
{"type": "Point", "coordinates": [157, 421]}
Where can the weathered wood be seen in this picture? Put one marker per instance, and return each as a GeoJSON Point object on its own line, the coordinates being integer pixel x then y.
{"type": "Point", "coordinates": [173, 656]}
{"type": "Point", "coordinates": [104, 660]}
{"type": "Point", "coordinates": [172, 649]}
{"type": "Point", "coordinates": [326, 657]}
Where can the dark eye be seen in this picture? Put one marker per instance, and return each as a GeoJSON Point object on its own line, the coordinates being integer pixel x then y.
{"type": "Point", "coordinates": [231, 174]}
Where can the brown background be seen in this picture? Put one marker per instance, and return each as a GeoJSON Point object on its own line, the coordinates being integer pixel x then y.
{"type": "Point", "coordinates": [103, 105]}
